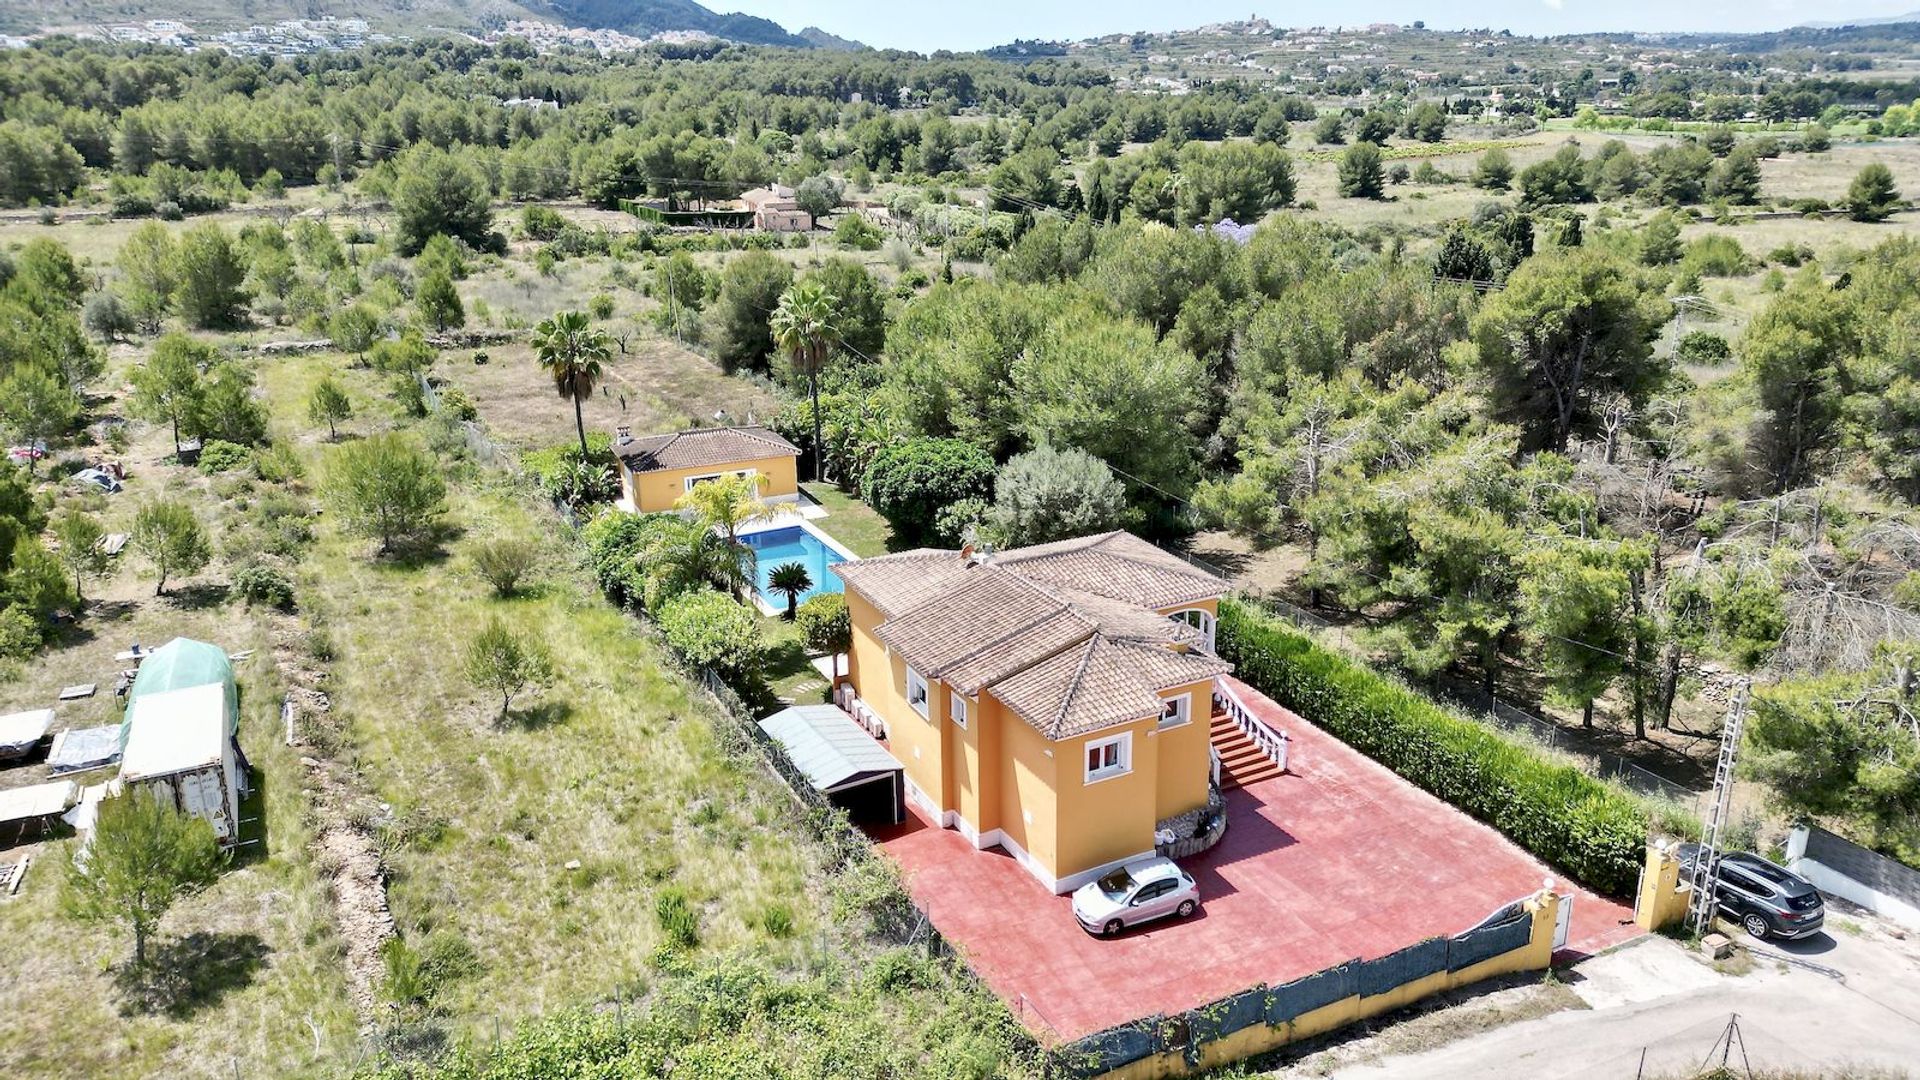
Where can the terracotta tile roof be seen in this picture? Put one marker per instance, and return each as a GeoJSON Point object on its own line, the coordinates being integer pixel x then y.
{"type": "Point", "coordinates": [1119, 565]}
{"type": "Point", "coordinates": [1066, 634]}
{"type": "Point", "coordinates": [897, 582]}
{"type": "Point", "coordinates": [1100, 683]}
{"type": "Point", "coordinates": [700, 447]}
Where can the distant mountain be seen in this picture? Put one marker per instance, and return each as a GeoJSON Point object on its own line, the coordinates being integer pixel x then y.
{"type": "Point", "coordinates": [640, 18]}
{"type": "Point", "coordinates": [644, 17]}
{"type": "Point", "coordinates": [1909, 17]}
{"type": "Point", "coordinates": [820, 39]}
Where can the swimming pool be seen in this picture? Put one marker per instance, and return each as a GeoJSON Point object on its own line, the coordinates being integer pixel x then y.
{"type": "Point", "coordinates": [778, 547]}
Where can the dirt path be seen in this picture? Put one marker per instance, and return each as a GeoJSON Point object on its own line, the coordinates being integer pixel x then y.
{"type": "Point", "coordinates": [346, 852]}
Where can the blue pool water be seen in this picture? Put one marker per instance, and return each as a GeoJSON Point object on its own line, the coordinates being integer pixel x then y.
{"type": "Point", "coordinates": [778, 547]}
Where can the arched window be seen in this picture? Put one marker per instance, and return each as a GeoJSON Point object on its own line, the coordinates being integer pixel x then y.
{"type": "Point", "coordinates": [1200, 619]}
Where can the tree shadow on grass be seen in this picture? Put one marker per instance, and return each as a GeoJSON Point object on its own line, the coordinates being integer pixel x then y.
{"type": "Point", "coordinates": [198, 597]}
{"type": "Point", "coordinates": [187, 975]}
{"type": "Point", "coordinates": [544, 715]}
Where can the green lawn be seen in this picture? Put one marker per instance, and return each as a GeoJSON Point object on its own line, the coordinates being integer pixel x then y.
{"type": "Point", "coordinates": [851, 521]}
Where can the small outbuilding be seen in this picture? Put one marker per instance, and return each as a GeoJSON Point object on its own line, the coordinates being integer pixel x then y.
{"type": "Point", "coordinates": [655, 470]}
{"type": "Point", "coordinates": [841, 761]}
{"type": "Point", "coordinates": [179, 745]}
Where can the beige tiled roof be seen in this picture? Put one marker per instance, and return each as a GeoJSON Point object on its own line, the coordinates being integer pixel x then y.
{"type": "Point", "coordinates": [1119, 565]}
{"type": "Point", "coordinates": [1100, 683]}
{"type": "Point", "coordinates": [897, 582]}
{"type": "Point", "coordinates": [700, 447]}
{"type": "Point", "coordinates": [1066, 634]}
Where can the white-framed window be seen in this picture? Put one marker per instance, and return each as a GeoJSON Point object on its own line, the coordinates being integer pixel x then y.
{"type": "Point", "coordinates": [1178, 710]}
{"type": "Point", "coordinates": [916, 692]}
{"type": "Point", "coordinates": [957, 707]}
{"type": "Point", "coordinates": [1109, 757]}
{"type": "Point", "coordinates": [695, 481]}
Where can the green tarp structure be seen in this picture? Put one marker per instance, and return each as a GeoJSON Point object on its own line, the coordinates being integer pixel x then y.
{"type": "Point", "coordinates": [177, 665]}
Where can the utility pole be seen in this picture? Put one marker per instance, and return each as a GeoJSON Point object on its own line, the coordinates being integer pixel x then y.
{"type": "Point", "coordinates": [1705, 880]}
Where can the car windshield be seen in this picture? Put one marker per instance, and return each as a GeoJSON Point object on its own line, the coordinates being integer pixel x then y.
{"type": "Point", "coordinates": [1117, 884]}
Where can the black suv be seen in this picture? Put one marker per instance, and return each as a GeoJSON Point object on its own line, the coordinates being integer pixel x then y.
{"type": "Point", "coordinates": [1769, 900]}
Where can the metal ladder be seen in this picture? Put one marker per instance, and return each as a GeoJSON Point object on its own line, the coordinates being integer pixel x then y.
{"type": "Point", "coordinates": [1705, 881]}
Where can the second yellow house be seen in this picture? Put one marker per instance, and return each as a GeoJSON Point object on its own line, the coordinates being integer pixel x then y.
{"type": "Point", "coordinates": [655, 470]}
{"type": "Point", "coordinates": [1050, 700]}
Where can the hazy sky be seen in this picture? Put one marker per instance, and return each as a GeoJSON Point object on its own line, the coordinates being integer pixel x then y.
{"type": "Point", "coordinates": [926, 25]}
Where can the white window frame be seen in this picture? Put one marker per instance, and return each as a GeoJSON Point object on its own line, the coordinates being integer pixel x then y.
{"type": "Point", "coordinates": [957, 708]}
{"type": "Point", "coordinates": [914, 678]}
{"type": "Point", "coordinates": [1122, 764]}
{"type": "Point", "coordinates": [692, 482]}
{"type": "Point", "coordinates": [1182, 705]}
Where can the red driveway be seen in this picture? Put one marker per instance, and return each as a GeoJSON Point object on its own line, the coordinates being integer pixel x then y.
{"type": "Point", "coordinates": [1335, 860]}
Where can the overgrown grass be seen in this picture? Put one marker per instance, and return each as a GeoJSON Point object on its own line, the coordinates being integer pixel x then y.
{"type": "Point", "coordinates": [614, 840]}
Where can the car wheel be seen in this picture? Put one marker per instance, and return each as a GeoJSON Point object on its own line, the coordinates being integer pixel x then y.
{"type": "Point", "coordinates": [1186, 908]}
{"type": "Point", "coordinates": [1755, 925]}
{"type": "Point", "coordinates": [1113, 928]}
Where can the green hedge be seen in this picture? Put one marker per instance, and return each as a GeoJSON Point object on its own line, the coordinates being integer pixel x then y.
{"type": "Point", "coordinates": [1590, 829]}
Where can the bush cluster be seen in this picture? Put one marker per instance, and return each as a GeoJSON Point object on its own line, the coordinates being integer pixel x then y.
{"type": "Point", "coordinates": [1592, 830]}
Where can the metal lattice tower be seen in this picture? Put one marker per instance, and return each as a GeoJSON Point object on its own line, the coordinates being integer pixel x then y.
{"type": "Point", "coordinates": [1705, 880]}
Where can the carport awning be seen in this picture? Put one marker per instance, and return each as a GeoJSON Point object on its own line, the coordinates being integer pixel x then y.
{"type": "Point", "coordinates": [829, 747]}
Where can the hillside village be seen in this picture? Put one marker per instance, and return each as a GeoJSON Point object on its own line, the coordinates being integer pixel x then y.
{"type": "Point", "coordinates": [1246, 551]}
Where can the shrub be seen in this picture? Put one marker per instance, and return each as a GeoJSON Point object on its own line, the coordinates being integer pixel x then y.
{"type": "Point", "coordinates": [455, 403]}
{"type": "Point", "coordinates": [1703, 347]}
{"type": "Point", "coordinates": [1047, 494]}
{"type": "Point", "coordinates": [713, 631]}
{"type": "Point", "coordinates": [614, 543]}
{"type": "Point", "coordinates": [1590, 829]}
{"type": "Point", "coordinates": [777, 920]}
{"type": "Point", "coordinates": [908, 483]}
{"type": "Point", "coordinates": [218, 456]}
{"type": "Point", "coordinates": [825, 627]}
{"type": "Point", "coordinates": [678, 922]}
{"type": "Point", "coordinates": [502, 563]}
{"type": "Point", "coordinates": [19, 634]}
{"type": "Point", "coordinates": [856, 233]}
{"type": "Point", "coordinates": [260, 584]}
{"type": "Point", "coordinates": [1715, 255]}
{"type": "Point", "coordinates": [540, 223]}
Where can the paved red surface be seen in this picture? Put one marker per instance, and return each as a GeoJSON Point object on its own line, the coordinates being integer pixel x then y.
{"type": "Point", "coordinates": [1335, 860]}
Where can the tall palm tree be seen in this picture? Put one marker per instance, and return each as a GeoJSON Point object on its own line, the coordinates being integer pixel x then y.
{"type": "Point", "coordinates": [728, 504]}
{"type": "Point", "coordinates": [571, 349]}
{"type": "Point", "coordinates": [790, 580]}
{"type": "Point", "coordinates": [806, 327]}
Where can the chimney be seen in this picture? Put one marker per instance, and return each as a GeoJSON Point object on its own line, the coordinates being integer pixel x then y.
{"type": "Point", "coordinates": [623, 432]}
{"type": "Point", "coordinates": [966, 553]}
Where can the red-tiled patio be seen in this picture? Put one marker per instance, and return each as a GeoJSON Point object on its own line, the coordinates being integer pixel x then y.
{"type": "Point", "coordinates": [1335, 860]}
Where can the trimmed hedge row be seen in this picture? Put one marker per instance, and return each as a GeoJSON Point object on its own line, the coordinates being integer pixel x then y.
{"type": "Point", "coordinates": [1590, 829]}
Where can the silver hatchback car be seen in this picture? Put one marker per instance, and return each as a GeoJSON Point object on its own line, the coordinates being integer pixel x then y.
{"type": "Point", "coordinates": [1133, 894]}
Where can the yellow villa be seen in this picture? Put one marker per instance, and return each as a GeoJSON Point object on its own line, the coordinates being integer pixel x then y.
{"type": "Point", "coordinates": [1051, 700]}
{"type": "Point", "coordinates": [655, 470]}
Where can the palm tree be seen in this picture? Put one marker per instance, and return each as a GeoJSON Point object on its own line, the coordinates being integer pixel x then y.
{"type": "Point", "coordinates": [806, 327]}
{"type": "Point", "coordinates": [727, 504]}
{"type": "Point", "coordinates": [790, 580]}
{"type": "Point", "coordinates": [688, 553]}
{"type": "Point", "coordinates": [572, 349]}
